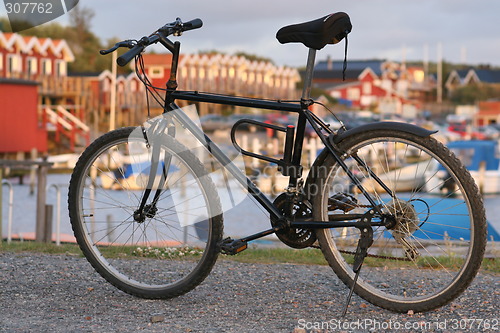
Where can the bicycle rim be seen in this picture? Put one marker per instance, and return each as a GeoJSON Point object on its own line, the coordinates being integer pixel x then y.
{"type": "Point", "coordinates": [174, 247]}
{"type": "Point", "coordinates": [435, 248]}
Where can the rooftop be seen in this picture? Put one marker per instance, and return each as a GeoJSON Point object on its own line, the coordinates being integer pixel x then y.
{"type": "Point", "coordinates": [352, 65]}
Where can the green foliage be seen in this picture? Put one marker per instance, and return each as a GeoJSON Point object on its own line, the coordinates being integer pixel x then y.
{"type": "Point", "coordinates": [253, 57]}
{"type": "Point", "coordinates": [82, 41]}
{"type": "Point", "coordinates": [473, 93]}
{"type": "Point", "coordinates": [210, 52]}
{"type": "Point", "coordinates": [4, 24]}
{"type": "Point", "coordinates": [317, 92]}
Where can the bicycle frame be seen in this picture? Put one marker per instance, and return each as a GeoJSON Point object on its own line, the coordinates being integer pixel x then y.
{"type": "Point", "coordinates": [170, 242]}
{"type": "Point", "coordinates": [305, 116]}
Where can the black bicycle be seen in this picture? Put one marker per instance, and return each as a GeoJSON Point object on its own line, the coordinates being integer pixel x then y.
{"type": "Point", "coordinates": [385, 196]}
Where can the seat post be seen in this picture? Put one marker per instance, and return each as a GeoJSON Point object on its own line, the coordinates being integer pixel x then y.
{"type": "Point", "coordinates": [306, 91]}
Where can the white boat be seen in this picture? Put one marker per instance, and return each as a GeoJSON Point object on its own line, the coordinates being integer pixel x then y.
{"type": "Point", "coordinates": [404, 179]}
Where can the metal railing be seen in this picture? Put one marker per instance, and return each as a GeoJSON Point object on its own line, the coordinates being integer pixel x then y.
{"type": "Point", "coordinates": [57, 187]}
{"type": "Point", "coordinates": [11, 209]}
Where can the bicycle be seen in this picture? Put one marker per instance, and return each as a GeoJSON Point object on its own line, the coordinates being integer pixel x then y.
{"type": "Point", "coordinates": [374, 198]}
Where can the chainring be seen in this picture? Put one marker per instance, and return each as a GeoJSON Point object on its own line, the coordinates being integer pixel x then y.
{"type": "Point", "coordinates": [294, 237]}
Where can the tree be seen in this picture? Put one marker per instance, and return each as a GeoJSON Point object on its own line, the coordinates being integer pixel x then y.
{"type": "Point", "coordinates": [82, 41]}
{"type": "Point", "coordinates": [474, 93]}
{"type": "Point", "coordinates": [253, 57]}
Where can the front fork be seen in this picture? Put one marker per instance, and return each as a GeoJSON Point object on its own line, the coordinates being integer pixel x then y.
{"type": "Point", "coordinates": [161, 127]}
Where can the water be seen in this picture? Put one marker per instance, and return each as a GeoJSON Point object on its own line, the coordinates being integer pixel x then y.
{"type": "Point", "coordinates": [244, 219]}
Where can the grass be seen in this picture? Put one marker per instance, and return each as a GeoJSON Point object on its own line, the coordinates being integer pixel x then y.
{"type": "Point", "coordinates": [279, 255]}
{"type": "Point", "coordinates": [49, 248]}
{"type": "Point", "coordinates": [263, 256]}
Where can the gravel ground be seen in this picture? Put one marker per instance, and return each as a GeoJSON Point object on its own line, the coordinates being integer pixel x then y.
{"type": "Point", "coordinates": [62, 293]}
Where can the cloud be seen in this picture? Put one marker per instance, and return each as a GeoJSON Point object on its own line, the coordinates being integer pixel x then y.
{"type": "Point", "coordinates": [379, 26]}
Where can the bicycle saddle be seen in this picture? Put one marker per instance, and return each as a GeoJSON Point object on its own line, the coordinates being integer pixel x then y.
{"type": "Point", "coordinates": [330, 29]}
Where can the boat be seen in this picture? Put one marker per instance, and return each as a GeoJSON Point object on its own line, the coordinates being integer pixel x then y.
{"type": "Point", "coordinates": [404, 179]}
{"type": "Point", "coordinates": [481, 158]}
{"type": "Point", "coordinates": [133, 176]}
{"type": "Point", "coordinates": [454, 225]}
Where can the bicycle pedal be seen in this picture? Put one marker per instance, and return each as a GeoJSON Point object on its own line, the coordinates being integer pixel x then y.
{"type": "Point", "coordinates": [232, 246]}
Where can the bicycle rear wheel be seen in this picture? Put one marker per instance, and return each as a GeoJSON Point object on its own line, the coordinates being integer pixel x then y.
{"type": "Point", "coordinates": [174, 246]}
{"type": "Point", "coordinates": [435, 247]}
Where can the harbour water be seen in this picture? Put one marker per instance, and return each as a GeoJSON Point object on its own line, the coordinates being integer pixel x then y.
{"type": "Point", "coordinates": [244, 219]}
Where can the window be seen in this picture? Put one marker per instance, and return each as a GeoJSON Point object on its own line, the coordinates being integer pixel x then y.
{"type": "Point", "coordinates": [106, 85]}
{"type": "Point", "coordinates": [367, 88]}
{"type": "Point", "coordinates": [46, 67]}
{"type": "Point", "coordinates": [61, 68]}
{"type": "Point", "coordinates": [133, 85]}
{"type": "Point", "coordinates": [353, 94]}
{"type": "Point", "coordinates": [13, 63]}
{"type": "Point", "coordinates": [32, 64]}
{"type": "Point", "coordinates": [156, 72]}
{"type": "Point", "coordinates": [336, 94]}
{"type": "Point", "coordinates": [1, 61]}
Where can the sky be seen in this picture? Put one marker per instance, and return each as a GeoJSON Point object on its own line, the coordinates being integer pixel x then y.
{"type": "Point", "coordinates": [385, 29]}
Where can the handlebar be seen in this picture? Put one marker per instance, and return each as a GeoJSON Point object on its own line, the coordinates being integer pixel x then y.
{"type": "Point", "coordinates": [129, 55]}
{"type": "Point", "coordinates": [136, 47]}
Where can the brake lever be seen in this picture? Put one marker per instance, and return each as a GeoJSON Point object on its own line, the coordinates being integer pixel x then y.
{"type": "Point", "coordinates": [126, 43]}
{"type": "Point", "coordinates": [174, 28]}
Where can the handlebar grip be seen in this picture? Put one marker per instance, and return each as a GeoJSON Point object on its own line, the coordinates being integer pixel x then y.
{"type": "Point", "coordinates": [129, 55]}
{"type": "Point", "coordinates": [193, 24]}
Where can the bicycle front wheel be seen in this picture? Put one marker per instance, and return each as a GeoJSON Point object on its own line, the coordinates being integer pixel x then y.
{"type": "Point", "coordinates": [435, 245]}
{"type": "Point", "coordinates": [173, 246]}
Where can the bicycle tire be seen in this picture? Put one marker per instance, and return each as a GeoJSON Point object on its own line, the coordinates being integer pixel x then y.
{"type": "Point", "coordinates": [436, 265]}
{"type": "Point", "coordinates": [156, 258]}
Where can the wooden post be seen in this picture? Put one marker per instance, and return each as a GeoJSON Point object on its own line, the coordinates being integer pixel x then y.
{"type": "Point", "coordinates": [33, 156]}
{"type": "Point", "coordinates": [49, 213]}
{"type": "Point", "coordinates": [40, 202]}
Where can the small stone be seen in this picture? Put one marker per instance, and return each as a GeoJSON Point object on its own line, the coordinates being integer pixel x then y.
{"type": "Point", "coordinates": [299, 330]}
{"type": "Point", "coordinates": [157, 318]}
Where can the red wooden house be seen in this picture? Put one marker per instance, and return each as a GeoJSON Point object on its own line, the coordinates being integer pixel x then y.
{"type": "Point", "coordinates": [32, 58]}
{"type": "Point", "coordinates": [28, 66]}
{"type": "Point", "coordinates": [20, 129]}
{"type": "Point", "coordinates": [369, 91]}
